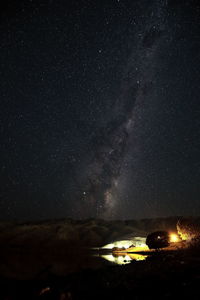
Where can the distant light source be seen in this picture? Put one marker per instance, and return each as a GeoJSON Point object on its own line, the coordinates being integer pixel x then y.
{"type": "Point", "coordinates": [174, 238]}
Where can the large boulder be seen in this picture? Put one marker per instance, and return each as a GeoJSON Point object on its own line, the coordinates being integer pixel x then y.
{"type": "Point", "coordinates": [158, 239]}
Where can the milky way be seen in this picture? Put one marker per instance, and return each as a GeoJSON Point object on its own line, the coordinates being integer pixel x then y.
{"type": "Point", "coordinates": [107, 168]}
{"type": "Point", "coordinates": [99, 109]}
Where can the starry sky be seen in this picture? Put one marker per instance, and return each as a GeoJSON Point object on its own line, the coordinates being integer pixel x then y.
{"type": "Point", "coordinates": [99, 109]}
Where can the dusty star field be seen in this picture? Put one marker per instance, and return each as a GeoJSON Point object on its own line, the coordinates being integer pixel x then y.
{"type": "Point", "coordinates": [99, 109]}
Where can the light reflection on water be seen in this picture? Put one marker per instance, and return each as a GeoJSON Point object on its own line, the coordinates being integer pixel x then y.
{"type": "Point", "coordinates": [123, 259]}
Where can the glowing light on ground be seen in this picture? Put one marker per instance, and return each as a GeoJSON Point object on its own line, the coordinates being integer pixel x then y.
{"type": "Point", "coordinates": [138, 249]}
{"type": "Point", "coordinates": [174, 238]}
{"type": "Point", "coordinates": [135, 242]}
{"type": "Point", "coordinates": [119, 244]}
{"type": "Point", "coordinates": [131, 249]}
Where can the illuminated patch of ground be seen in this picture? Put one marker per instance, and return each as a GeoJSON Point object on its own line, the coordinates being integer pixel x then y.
{"type": "Point", "coordinates": [135, 242]}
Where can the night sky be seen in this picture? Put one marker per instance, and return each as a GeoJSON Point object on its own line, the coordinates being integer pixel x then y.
{"type": "Point", "coordinates": [99, 109]}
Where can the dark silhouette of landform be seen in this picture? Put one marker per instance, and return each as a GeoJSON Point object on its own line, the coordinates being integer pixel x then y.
{"type": "Point", "coordinates": [60, 260]}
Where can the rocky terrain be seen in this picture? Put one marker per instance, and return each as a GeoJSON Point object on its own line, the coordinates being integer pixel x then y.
{"type": "Point", "coordinates": [53, 260]}
{"type": "Point", "coordinates": [92, 232]}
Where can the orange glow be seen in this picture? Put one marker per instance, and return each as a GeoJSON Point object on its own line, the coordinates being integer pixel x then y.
{"type": "Point", "coordinates": [138, 249]}
{"type": "Point", "coordinates": [174, 238]}
{"type": "Point", "coordinates": [131, 249]}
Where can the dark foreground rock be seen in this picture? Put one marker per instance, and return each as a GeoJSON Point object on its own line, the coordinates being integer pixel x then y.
{"type": "Point", "coordinates": [162, 276]}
